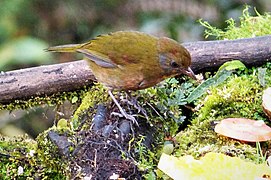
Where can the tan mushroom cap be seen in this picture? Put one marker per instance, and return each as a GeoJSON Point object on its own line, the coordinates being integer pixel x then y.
{"type": "Point", "coordinates": [244, 129]}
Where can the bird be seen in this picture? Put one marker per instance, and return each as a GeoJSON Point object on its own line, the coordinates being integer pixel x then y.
{"type": "Point", "coordinates": [132, 60]}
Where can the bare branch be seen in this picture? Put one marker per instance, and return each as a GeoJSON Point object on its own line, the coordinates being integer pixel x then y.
{"type": "Point", "coordinates": [50, 79]}
{"type": "Point", "coordinates": [209, 55]}
{"type": "Point", "coordinates": [44, 80]}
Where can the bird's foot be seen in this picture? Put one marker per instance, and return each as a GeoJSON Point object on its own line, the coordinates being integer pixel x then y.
{"type": "Point", "coordinates": [127, 116]}
{"type": "Point", "coordinates": [132, 101]}
{"type": "Point", "coordinates": [122, 112]}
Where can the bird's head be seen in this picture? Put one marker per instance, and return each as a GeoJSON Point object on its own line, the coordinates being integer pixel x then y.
{"type": "Point", "coordinates": [174, 59]}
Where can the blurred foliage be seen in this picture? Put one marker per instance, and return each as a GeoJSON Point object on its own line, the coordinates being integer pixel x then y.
{"type": "Point", "coordinates": [19, 44]}
{"type": "Point", "coordinates": [23, 50]}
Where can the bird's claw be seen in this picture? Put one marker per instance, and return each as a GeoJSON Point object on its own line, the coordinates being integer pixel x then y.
{"type": "Point", "coordinates": [127, 116]}
{"type": "Point", "coordinates": [133, 102]}
{"type": "Point", "coordinates": [132, 118]}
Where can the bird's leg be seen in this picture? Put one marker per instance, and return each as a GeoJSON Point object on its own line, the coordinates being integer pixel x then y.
{"type": "Point", "coordinates": [127, 116]}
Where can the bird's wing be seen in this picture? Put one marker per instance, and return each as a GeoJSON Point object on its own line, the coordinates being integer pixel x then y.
{"type": "Point", "coordinates": [100, 59]}
{"type": "Point", "coordinates": [121, 48]}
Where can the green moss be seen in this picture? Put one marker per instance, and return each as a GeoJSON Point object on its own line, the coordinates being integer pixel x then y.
{"type": "Point", "coordinates": [13, 155]}
{"type": "Point", "coordinates": [48, 153]}
{"type": "Point", "coordinates": [249, 26]}
{"type": "Point", "coordinates": [164, 104]}
{"type": "Point", "coordinates": [22, 153]}
{"type": "Point", "coordinates": [199, 139]}
{"type": "Point", "coordinates": [97, 94]}
{"type": "Point", "coordinates": [239, 96]}
{"type": "Point", "coordinates": [58, 98]}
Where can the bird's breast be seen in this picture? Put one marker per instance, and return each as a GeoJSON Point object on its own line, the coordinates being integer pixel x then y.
{"type": "Point", "coordinates": [134, 77]}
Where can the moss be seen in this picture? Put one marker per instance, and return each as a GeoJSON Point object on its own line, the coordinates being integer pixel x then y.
{"type": "Point", "coordinates": [97, 94]}
{"type": "Point", "coordinates": [55, 99]}
{"type": "Point", "coordinates": [249, 26]}
{"type": "Point", "coordinates": [199, 139]}
{"type": "Point", "coordinates": [50, 155]}
{"type": "Point", "coordinates": [239, 96]}
{"type": "Point", "coordinates": [22, 153]}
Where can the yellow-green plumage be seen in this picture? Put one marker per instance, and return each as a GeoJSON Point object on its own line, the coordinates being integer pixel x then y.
{"type": "Point", "coordinates": [130, 60]}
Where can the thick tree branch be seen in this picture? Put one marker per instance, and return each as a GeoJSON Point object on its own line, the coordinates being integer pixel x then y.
{"type": "Point", "coordinates": [209, 55]}
{"type": "Point", "coordinates": [44, 80]}
{"type": "Point", "coordinates": [206, 56]}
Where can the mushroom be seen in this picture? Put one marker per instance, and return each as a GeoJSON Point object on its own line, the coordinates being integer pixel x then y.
{"type": "Point", "coordinates": [267, 102]}
{"type": "Point", "coordinates": [244, 129]}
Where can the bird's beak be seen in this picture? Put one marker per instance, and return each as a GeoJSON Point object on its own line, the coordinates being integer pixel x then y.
{"type": "Point", "coordinates": [189, 73]}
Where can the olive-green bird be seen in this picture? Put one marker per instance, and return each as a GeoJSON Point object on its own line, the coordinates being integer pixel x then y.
{"type": "Point", "coordinates": [131, 60]}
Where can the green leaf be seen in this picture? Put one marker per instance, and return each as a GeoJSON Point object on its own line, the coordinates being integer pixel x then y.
{"type": "Point", "coordinates": [222, 74]}
{"type": "Point", "coordinates": [232, 65]}
{"type": "Point", "coordinates": [203, 87]}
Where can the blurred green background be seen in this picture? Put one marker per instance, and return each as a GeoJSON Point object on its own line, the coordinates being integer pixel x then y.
{"type": "Point", "coordinates": [27, 27]}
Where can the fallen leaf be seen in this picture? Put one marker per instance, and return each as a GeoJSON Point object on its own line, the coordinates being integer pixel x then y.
{"type": "Point", "coordinates": [213, 166]}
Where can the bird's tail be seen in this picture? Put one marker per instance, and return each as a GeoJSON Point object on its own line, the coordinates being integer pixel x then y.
{"type": "Point", "coordinates": [64, 48]}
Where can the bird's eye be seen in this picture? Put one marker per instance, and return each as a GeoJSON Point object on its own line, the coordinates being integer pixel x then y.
{"type": "Point", "coordinates": [173, 64]}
